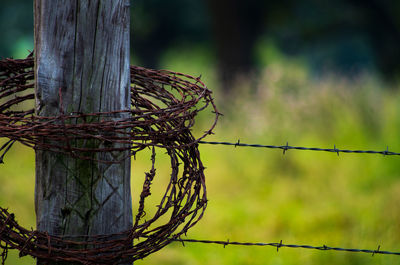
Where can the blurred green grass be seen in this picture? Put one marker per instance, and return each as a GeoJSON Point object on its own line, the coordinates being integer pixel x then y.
{"type": "Point", "coordinates": [259, 195]}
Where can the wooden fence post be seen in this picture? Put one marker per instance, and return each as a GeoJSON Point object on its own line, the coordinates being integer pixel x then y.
{"type": "Point", "coordinates": [82, 51]}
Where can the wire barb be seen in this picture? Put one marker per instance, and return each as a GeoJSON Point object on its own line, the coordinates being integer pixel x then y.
{"type": "Point", "coordinates": [238, 143]}
{"type": "Point", "coordinates": [285, 148]}
{"type": "Point", "coordinates": [377, 250]}
{"type": "Point", "coordinates": [335, 149]}
{"type": "Point", "coordinates": [279, 246]}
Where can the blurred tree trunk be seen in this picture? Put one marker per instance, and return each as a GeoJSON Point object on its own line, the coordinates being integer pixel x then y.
{"type": "Point", "coordinates": [82, 49]}
{"type": "Point", "coordinates": [236, 26]}
{"type": "Point", "coordinates": [382, 23]}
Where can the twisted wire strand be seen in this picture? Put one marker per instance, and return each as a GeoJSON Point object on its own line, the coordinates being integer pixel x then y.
{"type": "Point", "coordinates": [287, 147]}
{"type": "Point", "coordinates": [282, 245]}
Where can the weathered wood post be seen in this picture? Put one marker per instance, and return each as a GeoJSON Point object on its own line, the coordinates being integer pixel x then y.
{"type": "Point", "coordinates": [82, 50]}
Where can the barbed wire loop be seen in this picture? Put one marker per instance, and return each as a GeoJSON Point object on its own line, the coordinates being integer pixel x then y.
{"type": "Point", "coordinates": [164, 105]}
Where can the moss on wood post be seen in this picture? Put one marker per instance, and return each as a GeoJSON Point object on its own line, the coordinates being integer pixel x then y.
{"type": "Point", "coordinates": [82, 50]}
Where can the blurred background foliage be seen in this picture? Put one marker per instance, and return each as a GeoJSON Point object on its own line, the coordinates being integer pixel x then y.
{"type": "Point", "coordinates": [313, 73]}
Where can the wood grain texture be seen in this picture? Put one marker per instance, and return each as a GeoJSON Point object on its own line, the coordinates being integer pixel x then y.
{"type": "Point", "coordinates": [82, 48]}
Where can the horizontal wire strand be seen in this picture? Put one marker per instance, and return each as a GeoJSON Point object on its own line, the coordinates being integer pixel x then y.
{"type": "Point", "coordinates": [289, 147]}
{"type": "Point", "coordinates": [281, 245]}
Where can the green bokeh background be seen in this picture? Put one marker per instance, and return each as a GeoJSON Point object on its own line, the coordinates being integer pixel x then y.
{"type": "Point", "coordinates": [261, 195]}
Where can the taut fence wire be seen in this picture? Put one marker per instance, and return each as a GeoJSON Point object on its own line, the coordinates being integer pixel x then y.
{"type": "Point", "coordinates": [287, 147]}
{"type": "Point", "coordinates": [282, 245]}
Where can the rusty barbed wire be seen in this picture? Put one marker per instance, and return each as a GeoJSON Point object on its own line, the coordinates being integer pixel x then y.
{"type": "Point", "coordinates": [164, 105]}
{"type": "Point", "coordinates": [281, 245]}
{"type": "Point", "coordinates": [287, 147]}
